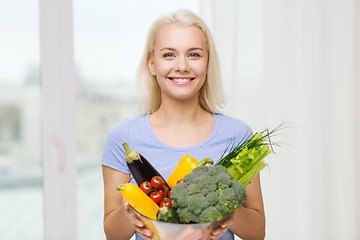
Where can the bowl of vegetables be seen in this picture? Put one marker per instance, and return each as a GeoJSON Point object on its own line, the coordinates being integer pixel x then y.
{"type": "Point", "coordinates": [196, 199]}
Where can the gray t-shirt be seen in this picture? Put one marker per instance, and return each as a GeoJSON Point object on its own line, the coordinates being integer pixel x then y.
{"type": "Point", "coordinates": [138, 135]}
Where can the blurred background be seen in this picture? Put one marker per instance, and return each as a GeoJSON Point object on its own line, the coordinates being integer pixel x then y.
{"type": "Point", "coordinates": [283, 61]}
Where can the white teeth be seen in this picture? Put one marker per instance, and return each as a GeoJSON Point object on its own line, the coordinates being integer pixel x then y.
{"type": "Point", "coordinates": [181, 80]}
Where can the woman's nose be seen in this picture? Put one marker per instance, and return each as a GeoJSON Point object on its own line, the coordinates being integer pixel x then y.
{"type": "Point", "coordinates": [182, 64]}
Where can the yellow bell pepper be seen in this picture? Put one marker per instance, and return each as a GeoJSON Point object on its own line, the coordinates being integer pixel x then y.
{"type": "Point", "coordinates": [185, 166]}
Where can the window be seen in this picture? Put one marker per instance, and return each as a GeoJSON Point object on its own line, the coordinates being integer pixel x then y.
{"type": "Point", "coordinates": [21, 201]}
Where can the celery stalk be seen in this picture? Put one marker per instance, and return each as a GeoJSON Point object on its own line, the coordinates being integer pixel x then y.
{"type": "Point", "coordinates": [246, 179]}
{"type": "Point", "coordinates": [246, 160]}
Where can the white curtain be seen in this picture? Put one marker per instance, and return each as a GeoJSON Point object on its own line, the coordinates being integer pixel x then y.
{"type": "Point", "coordinates": [298, 61]}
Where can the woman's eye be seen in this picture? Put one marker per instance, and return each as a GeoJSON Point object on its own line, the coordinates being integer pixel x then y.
{"type": "Point", "coordinates": [168, 55]}
{"type": "Point", "coordinates": [194, 55]}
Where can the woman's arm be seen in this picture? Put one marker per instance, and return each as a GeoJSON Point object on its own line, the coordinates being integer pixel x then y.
{"type": "Point", "coordinates": [249, 220]}
{"type": "Point", "coordinates": [116, 224]}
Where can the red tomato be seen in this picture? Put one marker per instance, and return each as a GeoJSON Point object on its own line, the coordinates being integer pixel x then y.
{"type": "Point", "coordinates": [179, 181]}
{"type": "Point", "coordinates": [166, 202]}
{"type": "Point", "coordinates": [146, 187]}
{"type": "Point", "coordinates": [157, 196]}
{"type": "Point", "coordinates": [165, 190]}
{"type": "Point", "coordinates": [157, 182]}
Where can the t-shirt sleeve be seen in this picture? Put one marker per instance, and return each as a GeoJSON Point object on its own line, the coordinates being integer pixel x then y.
{"type": "Point", "coordinates": [244, 132]}
{"type": "Point", "coordinates": [114, 155]}
{"type": "Point", "coordinates": [237, 130]}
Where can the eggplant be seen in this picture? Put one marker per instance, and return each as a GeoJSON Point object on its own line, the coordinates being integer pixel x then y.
{"type": "Point", "coordinates": [140, 168]}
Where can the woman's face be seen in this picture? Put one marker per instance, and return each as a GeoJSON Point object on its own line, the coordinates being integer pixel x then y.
{"type": "Point", "coordinates": [179, 61]}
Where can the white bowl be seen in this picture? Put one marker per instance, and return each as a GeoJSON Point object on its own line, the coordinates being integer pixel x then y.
{"type": "Point", "coordinates": [175, 231]}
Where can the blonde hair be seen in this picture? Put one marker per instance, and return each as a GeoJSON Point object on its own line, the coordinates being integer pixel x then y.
{"type": "Point", "coordinates": [211, 97]}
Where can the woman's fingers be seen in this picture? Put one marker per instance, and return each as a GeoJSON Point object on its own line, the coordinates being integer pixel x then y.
{"type": "Point", "coordinates": [134, 218]}
{"type": "Point", "coordinates": [218, 232]}
{"type": "Point", "coordinates": [215, 234]}
{"type": "Point", "coordinates": [224, 226]}
{"type": "Point", "coordinates": [144, 232]}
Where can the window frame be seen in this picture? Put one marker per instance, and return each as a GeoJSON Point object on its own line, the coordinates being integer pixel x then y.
{"type": "Point", "coordinates": [58, 102]}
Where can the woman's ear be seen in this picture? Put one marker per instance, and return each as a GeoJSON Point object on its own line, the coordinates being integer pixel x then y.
{"type": "Point", "coordinates": [151, 65]}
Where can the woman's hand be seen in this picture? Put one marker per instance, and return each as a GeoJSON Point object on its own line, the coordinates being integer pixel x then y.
{"type": "Point", "coordinates": [218, 232]}
{"type": "Point", "coordinates": [224, 226]}
{"type": "Point", "coordinates": [135, 220]}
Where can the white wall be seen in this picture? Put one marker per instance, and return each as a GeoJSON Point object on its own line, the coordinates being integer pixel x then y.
{"type": "Point", "coordinates": [297, 62]}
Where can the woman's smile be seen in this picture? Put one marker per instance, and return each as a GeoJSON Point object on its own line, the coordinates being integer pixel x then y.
{"type": "Point", "coordinates": [181, 80]}
{"type": "Point", "coordinates": [179, 61]}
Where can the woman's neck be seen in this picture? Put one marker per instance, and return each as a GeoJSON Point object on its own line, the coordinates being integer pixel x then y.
{"type": "Point", "coordinates": [179, 113]}
{"type": "Point", "coordinates": [182, 125]}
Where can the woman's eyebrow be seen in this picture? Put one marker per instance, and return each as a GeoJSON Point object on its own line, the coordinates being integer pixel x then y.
{"type": "Point", "coordinates": [173, 49]}
{"type": "Point", "coordinates": [196, 48]}
{"type": "Point", "coordinates": [167, 49]}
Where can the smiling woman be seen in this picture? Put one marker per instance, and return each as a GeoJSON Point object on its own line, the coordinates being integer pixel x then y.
{"type": "Point", "coordinates": [178, 67]}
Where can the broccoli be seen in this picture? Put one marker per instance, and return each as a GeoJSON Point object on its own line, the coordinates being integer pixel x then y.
{"type": "Point", "coordinates": [207, 194]}
{"type": "Point", "coordinates": [167, 214]}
